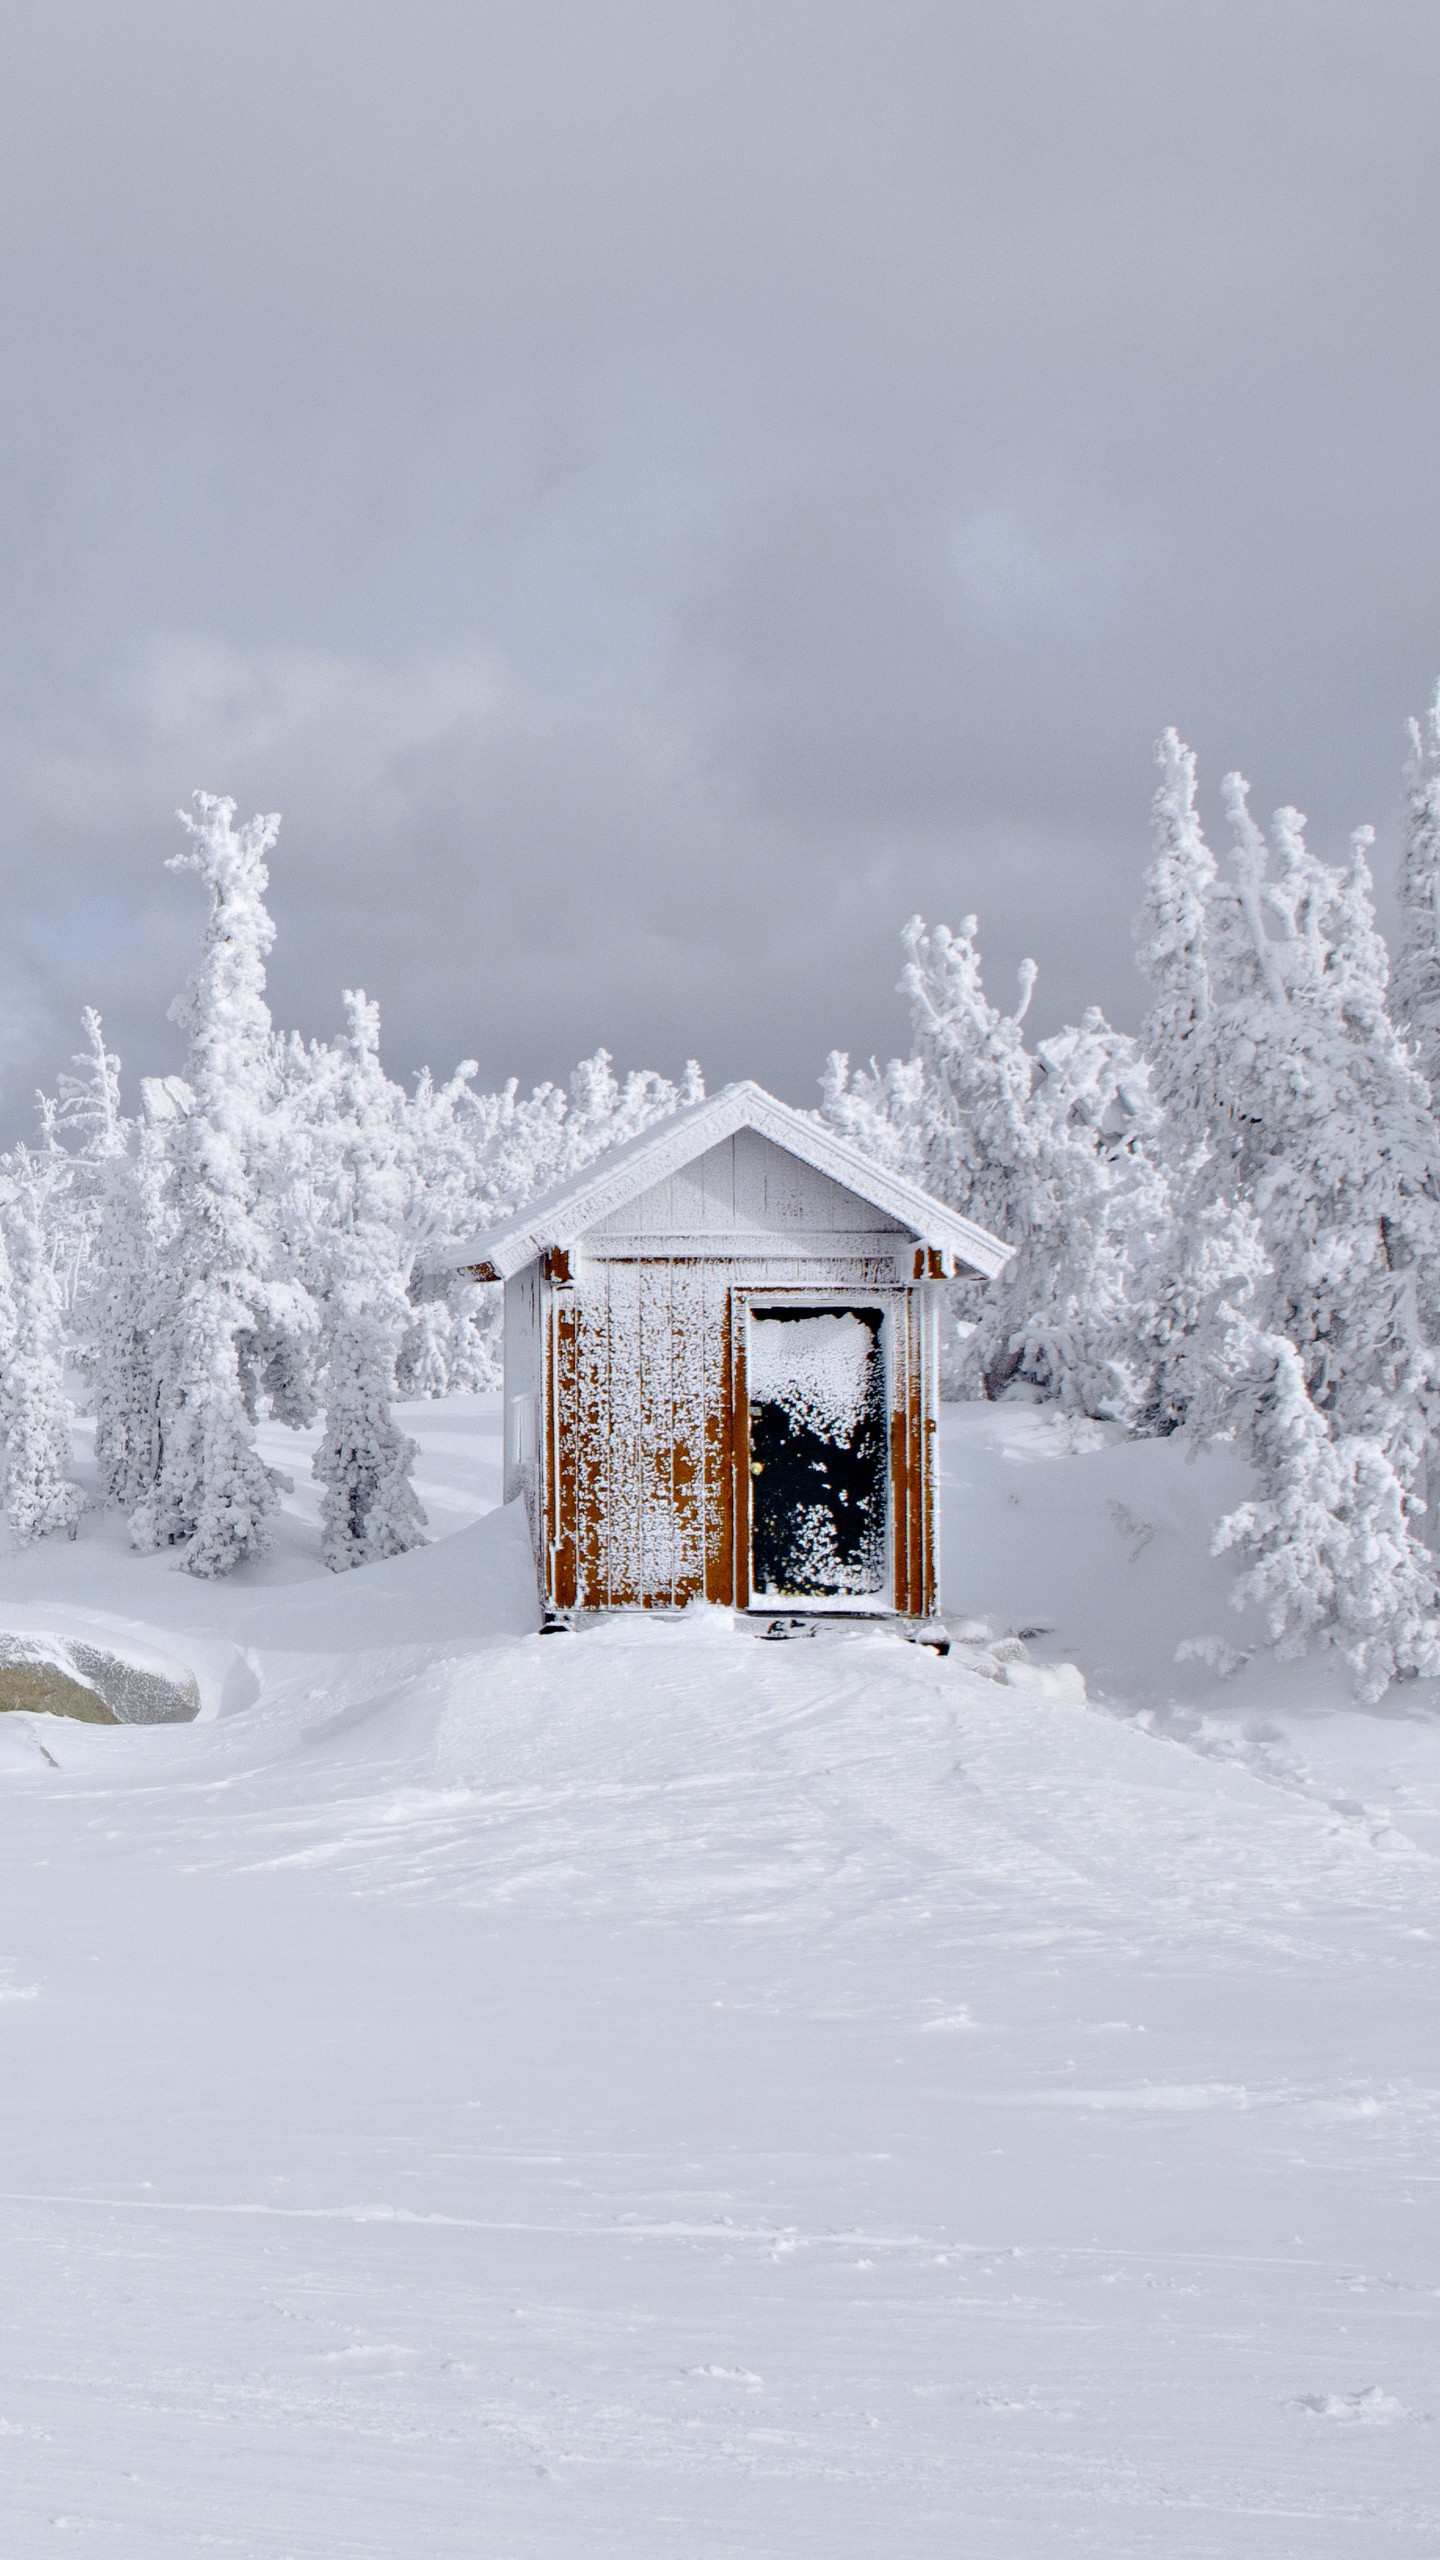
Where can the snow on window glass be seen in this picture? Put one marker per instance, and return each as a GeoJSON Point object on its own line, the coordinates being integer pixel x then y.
{"type": "Point", "coordinates": [818, 1368]}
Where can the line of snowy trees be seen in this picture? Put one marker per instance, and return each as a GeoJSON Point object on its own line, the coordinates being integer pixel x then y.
{"type": "Point", "coordinates": [1226, 1226]}
{"type": "Point", "coordinates": [257, 1237]}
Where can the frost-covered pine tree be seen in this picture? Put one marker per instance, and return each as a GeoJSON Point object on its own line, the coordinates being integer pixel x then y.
{"type": "Point", "coordinates": [1050, 1149]}
{"type": "Point", "coordinates": [1292, 1101]}
{"type": "Point", "coordinates": [364, 1460]}
{"type": "Point", "coordinates": [980, 1145]}
{"type": "Point", "coordinates": [89, 1104]}
{"type": "Point", "coordinates": [1330, 1533]}
{"type": "Point", "coordinates": [1101, 1197]}
{"type": "Point", "coordinates": [603, 1113]}
{"type": "Point", "coordinates": [122, 1310]}
{"type": "Point", "coordinates": [1171, 935]}
{"type": "Point", "coordinates": [41, 1496]}
{"type": "Point", "coordinates": [880, 1110]}
{"type": "Point", "coordinates": [1416, 992]}
{"type": "Point", "coordinates": [106, 1224]}
{"type": "Point", "coordinates": [1207, 1258]}
{"type": "Point", "coordinates": [7, 1322]}
{"type": "Point", "coordinates": [1321, 1121]}
{"type": "Point", "coordinates": [451, 1341]}
{"type": "Point", "coordinates": [230, 1312]}
{"type": "Point", "coordinates": [958, 1118]}
{"type": "Point", "coordinates": [82, 1130]}
{"type": "Point", "coordinates": [361, 1263]}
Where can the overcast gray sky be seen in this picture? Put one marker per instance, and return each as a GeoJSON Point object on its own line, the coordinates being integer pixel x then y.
{"type": "Point", "coordinates": [656, 493]}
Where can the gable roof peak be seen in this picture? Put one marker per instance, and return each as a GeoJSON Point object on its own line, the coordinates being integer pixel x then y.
{"type": "Point", "coordinates": [563, 1215]}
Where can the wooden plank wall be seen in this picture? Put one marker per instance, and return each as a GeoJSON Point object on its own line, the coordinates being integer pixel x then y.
{"type": "Point", "coordinates": [642, 1390]}
{"type": "Point", "coordinates": [749, 1183]}
{"type": "Point", "coordinates": [913, 1458]}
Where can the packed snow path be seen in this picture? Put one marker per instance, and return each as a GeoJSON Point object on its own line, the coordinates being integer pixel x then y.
{"type": "Point", "coordinates": [657, 2093]}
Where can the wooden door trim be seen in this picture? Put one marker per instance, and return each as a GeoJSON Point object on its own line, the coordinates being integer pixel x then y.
{"type": "Point", "coordinates": [559, 1490]}
{"type": "Point", "coordinates": [897, 1303]}
{"type": "Point", "coordinates": [739, 1449]}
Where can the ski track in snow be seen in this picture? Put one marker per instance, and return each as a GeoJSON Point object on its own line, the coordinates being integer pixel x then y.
{"type": "Point", "coordinates": [648, 2093]}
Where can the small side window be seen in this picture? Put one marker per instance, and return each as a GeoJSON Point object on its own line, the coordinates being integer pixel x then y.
{"type": "Point", "coordinates": [522, 1430]}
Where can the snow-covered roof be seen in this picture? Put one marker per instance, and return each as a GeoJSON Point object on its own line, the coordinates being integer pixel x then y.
{"type": "Point", "coordinates": [564, 1215]}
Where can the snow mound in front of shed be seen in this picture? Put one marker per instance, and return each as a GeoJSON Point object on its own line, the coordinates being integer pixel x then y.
{"type": "Point", "coordinates": [476, 1584]}
{"type": "Point", "coordinates": [479, 2057]}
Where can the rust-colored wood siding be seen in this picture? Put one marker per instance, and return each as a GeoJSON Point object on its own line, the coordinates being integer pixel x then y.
{"type": "Point", "coordinates": [642, 1507]}
{"type": "Point", "coordinates": [644, 1466]}
{"type": "Point", "coordinates": [914, 1454]}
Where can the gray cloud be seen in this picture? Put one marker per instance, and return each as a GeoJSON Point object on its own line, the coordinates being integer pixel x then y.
{"type": "Point", "coordinates": [656, 495]}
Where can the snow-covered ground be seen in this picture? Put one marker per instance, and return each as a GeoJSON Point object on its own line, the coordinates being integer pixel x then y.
{"type": "Point", "coordinates": [654, 2093]}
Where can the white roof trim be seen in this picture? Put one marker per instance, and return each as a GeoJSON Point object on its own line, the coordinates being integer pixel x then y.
{"type": "Point", "coordinates": [566, 1214]}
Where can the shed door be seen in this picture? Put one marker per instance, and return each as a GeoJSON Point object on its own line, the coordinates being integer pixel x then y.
{"type": "Point", "coordinates": [819, 1457]}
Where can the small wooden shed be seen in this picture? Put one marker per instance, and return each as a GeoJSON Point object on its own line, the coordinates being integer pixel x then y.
{"type": "Point", "coordinates": [721, 1351]}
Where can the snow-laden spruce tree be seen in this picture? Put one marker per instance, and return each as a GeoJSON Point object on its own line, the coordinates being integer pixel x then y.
{"type": "Point", "coordinates": [1292, 1101]}
{"type": "Point", "coordinates": [1330, 1534]}
{"type": "Point", "coordinates": [230, 1313]}
{"type": "Point", "coordinates": [956, 1117]}
{"type": "Point", "coordinates": [1172, 944]}
{"type": "Point", "coordinates": [451, 1343]}
{"type": "Point", "coordinates": [122, 1311]}
{"type": "Point", "coordinates": [1415, 995]}
{"type": "Point", "coordinates": [81, 1129]}
{"type": "Point", "coordinates": [604, 1113]}
{"type": "Point", "coordinates": [41, 1496]}
{"type": "Point", "coordinates": [1207, 1258]}
{"type": "Point", "coordinates": [1101, 1197]}
{"type": "Point", "coordinates": [1050, 1149]}
{"type": "Point", "coordinates": [88, 1107]}
{"type": "Point", "coordinates": [980, 1141]}
{"type": "Point", "coordinates": [880, 1110]}
{"type": "Point", "coordinates": [1286, 1086]}
{"type": "Point", "coordinates": [361, 1256]}
{"type": "Point", "coordinates": [7, 1308]}
{"type": "Point", "coordinates": [364, 1461]}
{"type": "Point", "coordinates": [105, 1226]}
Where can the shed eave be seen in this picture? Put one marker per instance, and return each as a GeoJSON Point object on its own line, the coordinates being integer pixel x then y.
{"type": "Point", "coordinates": [564, 1216]}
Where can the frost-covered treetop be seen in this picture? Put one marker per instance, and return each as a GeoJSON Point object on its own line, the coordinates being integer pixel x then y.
{"type": "Point", "coordinates": [1170, 932]}
{"type": "Point", "coordinates": [223, 1008]}
{"type": "Point", "coordinates": [1416, 1002]}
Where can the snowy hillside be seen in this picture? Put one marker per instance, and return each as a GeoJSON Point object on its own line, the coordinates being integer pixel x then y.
{"type": "Point", "coordinates": [654, 2093]}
